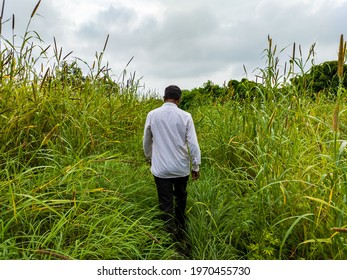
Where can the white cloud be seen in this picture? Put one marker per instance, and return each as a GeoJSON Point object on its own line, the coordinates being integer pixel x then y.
{"type": "Point", "coordinates": [185, 42]}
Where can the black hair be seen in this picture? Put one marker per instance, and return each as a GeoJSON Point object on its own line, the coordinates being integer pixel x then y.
{"type": "Point", "coordinates": [172, 92]}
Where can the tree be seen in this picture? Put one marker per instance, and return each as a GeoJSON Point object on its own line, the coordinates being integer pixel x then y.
{"type": "Point", "coordinates": [321, 78]}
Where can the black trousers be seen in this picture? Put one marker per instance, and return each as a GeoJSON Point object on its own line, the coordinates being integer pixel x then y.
{"type": "Point", "coordinates": [172, 194]}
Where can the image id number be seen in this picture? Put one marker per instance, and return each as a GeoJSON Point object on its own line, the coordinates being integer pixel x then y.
{"type": "Point", "coordinates": [209, 270]}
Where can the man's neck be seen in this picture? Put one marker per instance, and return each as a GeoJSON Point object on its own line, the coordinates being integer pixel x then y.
{"type": "Point", "coordinates": [174, 101]}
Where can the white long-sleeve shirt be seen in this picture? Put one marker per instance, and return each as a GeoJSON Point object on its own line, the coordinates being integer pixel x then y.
{"type": "Point", "coordinates": [170, 142]}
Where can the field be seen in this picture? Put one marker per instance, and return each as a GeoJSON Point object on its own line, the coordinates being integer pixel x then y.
{"type": "Point", "coordinates": [74, 183]}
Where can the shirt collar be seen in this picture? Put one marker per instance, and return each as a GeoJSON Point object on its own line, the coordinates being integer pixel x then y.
{"type": "Point", "coordinates": [170, 104]}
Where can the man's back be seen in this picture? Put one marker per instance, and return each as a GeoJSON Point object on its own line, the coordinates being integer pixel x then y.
{"type": "Point", "coordinates": [168, 133]}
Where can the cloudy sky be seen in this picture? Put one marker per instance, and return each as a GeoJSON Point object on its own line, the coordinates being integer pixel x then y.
{"type": "Point", "coordinates": [184, 42]}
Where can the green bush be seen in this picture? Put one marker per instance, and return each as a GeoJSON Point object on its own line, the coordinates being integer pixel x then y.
{"type": "Point", "coordinates": [321, 78]}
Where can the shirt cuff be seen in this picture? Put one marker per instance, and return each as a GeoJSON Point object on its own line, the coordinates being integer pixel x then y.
{"type": "Point", "coordinates": [195, 168]}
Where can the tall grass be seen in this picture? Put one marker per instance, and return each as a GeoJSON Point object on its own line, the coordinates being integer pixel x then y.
{"type": "Point", "coordinates": [283, 162]}
{"type": "Point", "coordinates": [74, 183]}
{"type": "Point", "coordinates": [68, 157]}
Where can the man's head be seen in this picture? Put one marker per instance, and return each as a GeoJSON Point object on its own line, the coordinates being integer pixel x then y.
{"type": "Point", "coordinates": [172, 93]}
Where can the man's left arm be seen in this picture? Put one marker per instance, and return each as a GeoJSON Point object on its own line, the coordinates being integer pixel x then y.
{"type": "Point", "coordinates": [147, 140]}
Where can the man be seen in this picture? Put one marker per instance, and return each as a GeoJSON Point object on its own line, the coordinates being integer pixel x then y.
{"type": "Point", "coordinates": [170, 143]}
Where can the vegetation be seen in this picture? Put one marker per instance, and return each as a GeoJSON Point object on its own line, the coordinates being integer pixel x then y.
{"type": "Point", "coordinates": [322, 78]}
{"type": "Point", "coordinates": [74, 183]}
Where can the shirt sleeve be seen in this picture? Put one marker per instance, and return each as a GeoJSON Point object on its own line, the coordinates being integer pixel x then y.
{"type": "Point", "coordinates": [193, 145]}
{"type": "Point", "coordinates": [147, 139]}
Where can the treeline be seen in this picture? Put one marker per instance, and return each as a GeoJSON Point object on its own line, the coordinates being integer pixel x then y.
{"type": "Point", "coordinates": [320, 79]}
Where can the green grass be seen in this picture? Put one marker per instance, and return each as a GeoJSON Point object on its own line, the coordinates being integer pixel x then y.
{"type": "Point", "coordinates": [74, 183]}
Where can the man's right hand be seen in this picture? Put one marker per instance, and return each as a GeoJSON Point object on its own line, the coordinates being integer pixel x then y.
{"type": "Point", "coordinates": [195, 175]}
